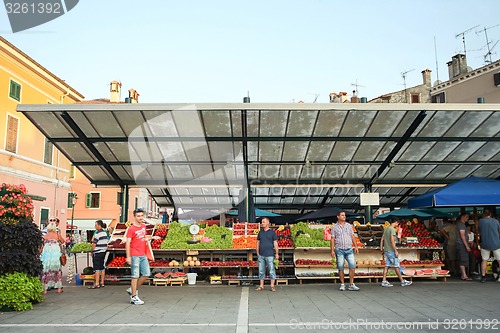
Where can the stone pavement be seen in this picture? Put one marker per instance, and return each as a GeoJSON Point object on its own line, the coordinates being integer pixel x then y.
{"type": "Point", "coordinates": [426, 306]}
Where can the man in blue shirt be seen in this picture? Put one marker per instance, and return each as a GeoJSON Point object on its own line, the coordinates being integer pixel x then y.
{"type": "Point", "coordinates": [267, 250]}
{"type": "Point", "coordinates": [489, 231]}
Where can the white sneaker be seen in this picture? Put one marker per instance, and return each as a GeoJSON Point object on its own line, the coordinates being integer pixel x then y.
{"type": "Point", "coordinates": [342, 287]}
{"type": "Point", "coordinates": [353, 287]}
{"type": "Point", "coordinates": [136, 300]}
{"type": "Point", "coordinates": [386, 284]}
{"type": "Point", "coordinates": [405, 283]}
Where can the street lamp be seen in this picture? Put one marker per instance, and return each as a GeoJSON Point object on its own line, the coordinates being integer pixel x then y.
{"type": "Point", "coordinates": [74, 199]}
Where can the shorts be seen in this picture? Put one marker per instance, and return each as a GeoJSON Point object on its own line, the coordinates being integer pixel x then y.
{"type": "Point", "coordinates": [485, 254]}
{"type": "Point", "coordinates": [139, 267]}
{"type": "Point", "coordinates": [269, 262]}
{"type": "Point", "coordinates": [390, 259]}
{"type": "Point", "coordinates": [345, 254]}
{"type": "Point", "coordinates": [98, 261]}
{"type": "Point", "coordinates": [463, 255]}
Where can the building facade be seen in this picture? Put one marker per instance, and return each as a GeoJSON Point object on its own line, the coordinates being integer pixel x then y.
{"type": "Point", "coordinates": [26, 157]}
{"type": "Point", "coordinates": [411, 95]}
{"type": "Point", "coordinates": [466, 85]}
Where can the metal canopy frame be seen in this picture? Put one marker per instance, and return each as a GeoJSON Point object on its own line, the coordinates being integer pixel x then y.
{"type": "Point", "coordinates": [294, 157]}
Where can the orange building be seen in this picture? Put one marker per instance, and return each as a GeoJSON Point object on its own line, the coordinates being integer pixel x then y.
{"type": "Point", "coordinates": [26, 157]}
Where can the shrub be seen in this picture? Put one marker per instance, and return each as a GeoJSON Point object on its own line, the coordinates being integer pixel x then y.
{"type": "Point", "coordinates": [18, 291]}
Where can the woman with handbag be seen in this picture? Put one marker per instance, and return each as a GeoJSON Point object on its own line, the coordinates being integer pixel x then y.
{"type": "Point", "coordinates": [51, 252]}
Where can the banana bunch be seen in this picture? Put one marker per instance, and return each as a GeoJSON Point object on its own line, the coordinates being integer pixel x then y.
{"type": "Point", "coordinates": [281, 228]}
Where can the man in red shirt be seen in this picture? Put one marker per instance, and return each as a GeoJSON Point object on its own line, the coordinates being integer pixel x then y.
{"type": "Point", "coordinates": [136, 256]}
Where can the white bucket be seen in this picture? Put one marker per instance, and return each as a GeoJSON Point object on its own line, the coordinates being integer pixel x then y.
{"type": "Point", "coordinates": [191, 278]}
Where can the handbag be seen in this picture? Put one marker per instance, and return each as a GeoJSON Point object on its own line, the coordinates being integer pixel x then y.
{"type": "Point", "coordinates": [63, 259]}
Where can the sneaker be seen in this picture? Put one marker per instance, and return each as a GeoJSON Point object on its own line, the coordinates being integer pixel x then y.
{"type": "Point", "coordinates": [386, 284]}
{"type": "Point", "coordinates": [136, 300]}
{"type": "Point", "coordinates": [342, 287]}
{"type": "Point", "coordinates": [405, 283]}
{"type": "Point", "coordinates": [483, 279]}
{"type": "Point", "coordinates": [353, 287]}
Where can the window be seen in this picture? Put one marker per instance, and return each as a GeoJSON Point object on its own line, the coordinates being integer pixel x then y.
{"type": "Point", "coordinates": [496, 79]}
{"type": "Point", "coordinates": [44, 217]}
{"type": "Point", "coordinates": [15, 91]}
{"type": "Point", "coordinates": [70, 199]}
{"type": "Point", "coordinates": [439, 98]}
{"type": "Point", "coordinates": [12, 129]}
{"type": "Point", "coordinates": [72, 172]}
{"type": "Point", "coordinates": [93, 200]}
{"type": "Point", "coordinates": [136, 203]}
{"type": "Point", "coordinates": [49, 148]}
{"type": "Point", "coordinates": [415, 98]}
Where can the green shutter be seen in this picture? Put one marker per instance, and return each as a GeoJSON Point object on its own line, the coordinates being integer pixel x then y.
{"type": "Point", "coordinates": [88, 200]}
{"type": "Point", "coordinates": [70, 203]}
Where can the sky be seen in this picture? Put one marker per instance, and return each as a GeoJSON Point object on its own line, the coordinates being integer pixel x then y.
{"type": "Point", "coordinates": [275, 51]}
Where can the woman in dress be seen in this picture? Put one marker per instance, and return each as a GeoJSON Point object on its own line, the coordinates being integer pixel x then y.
{"type": "Point", "coordinates": [51, 252]}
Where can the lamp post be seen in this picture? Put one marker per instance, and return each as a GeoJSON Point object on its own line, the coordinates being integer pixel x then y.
{"type": "Point", "coordinates": [74, 199]}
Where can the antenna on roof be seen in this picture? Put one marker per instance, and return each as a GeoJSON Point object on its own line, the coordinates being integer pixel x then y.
{"type": "Point", "coordinates": [436, 57]}
{"type": "Point", "coordinates": [463, 36]}
{"type": "Point", "coordinates": [403, 74]}
{"type": "Point", "coordinates": [488, 43]}
{"type": "Point", "coordinates": [315, 98]}
{"type": "Point", "coordinates": [356, 85]}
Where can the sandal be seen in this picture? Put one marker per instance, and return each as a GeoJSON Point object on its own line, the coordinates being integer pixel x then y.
{"type": "Point", "coordinates": [467, 279]}
{"type": "Point", "coordinates": [259, 289]}
{"type": "Point", "coordinates": [94, 287]}
{"type": "Point", "coordinates": [273, 289]}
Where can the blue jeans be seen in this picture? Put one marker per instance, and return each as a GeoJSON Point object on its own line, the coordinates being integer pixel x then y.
{"type": "Point", "coordinates": [390, 259]}
{"type": "Point", "coordinates": [139, 267]}
{"type": "Point", "coordinates": [345, 254]}
{"type": "Point", "coordinates": [263, 261]}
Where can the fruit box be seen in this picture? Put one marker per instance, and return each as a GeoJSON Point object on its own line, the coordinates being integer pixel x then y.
{"type": "Point", "coordinates": [87, 277]}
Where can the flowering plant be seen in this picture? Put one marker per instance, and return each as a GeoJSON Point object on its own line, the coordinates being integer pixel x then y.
{"type": "Point", "coordinates": [14, 203]}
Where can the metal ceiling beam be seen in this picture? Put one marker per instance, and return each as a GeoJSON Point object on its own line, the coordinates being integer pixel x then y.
{"type": "Point", "coordinates": [416, 122]}
{"type": "Point", "coordinates": [90, 146]}
{"type": "Point", "coordinates": [279, 139]}
{"type": "Point", "coordinates": [298, 163]}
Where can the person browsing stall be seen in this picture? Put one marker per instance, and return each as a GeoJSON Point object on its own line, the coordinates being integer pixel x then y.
{"type": "Point", "coordinates": [391, 254]}
{"type": "Point", "coordinates": [136, 256]}
{"type": "Point", "coordinates": [99, 247]}
{"type": "Point", "coordinates": [267, 250]}
{"type": "Point", "coordinates": [343, 245]}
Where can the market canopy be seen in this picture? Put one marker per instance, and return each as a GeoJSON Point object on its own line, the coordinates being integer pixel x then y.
{"type": "Point", "coordinates": [471, 191]}
{"type": "Point", "coordinates": [404, 212]}
{"type": "Point", "coordinates": [324, 213]}
{"type": "Point", "coordinates": [294, 157]}
{"type": "Point", "coordinates": [258, 213]}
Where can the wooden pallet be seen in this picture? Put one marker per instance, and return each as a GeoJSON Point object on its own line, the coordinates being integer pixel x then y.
{"type": "Point", "coordinates": [281, 281]}
{"type": "Point", "coordinates": [235, 282]}
{"type": "Point", "coordinates": [161, 282]}
{"type": "Point", "coordinates": [177, 282]}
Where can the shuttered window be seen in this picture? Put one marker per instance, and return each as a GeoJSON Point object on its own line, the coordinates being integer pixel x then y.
{"type": "Point", "coordinates": [12, 129]}
{"type": "Point", "coordinates": [15, 90]}
{"type": "Point", "coordinates": [49, 148]}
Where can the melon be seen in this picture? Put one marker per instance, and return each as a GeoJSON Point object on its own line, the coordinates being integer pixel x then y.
{"type": "Point", "coordinates": [409, 272]}
{"type": "Point", "coordinates": [189, 258]}
{"type": "Point", "coordinates": [428, 271]}
{"type": "Point", "coordinates": [419, 273]}
{"type": "Point", "coordinates": [442, 271]}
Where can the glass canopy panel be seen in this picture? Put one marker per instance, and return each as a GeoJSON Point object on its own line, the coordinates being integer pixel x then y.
{"type": "Point", "coordinates": [319, 150]}
{"type": "Point", "coordinates": [344, 151]}
{"type": "Point", "coordinates": [295, 150]}
{"type": "Point", "coordinates": [76, 151]}
{"type": "Point", "coordinates": [253, 123]}
{"type": "Point", "coordinates": [368, 151]}
{"type": "Point", "coordinates": [329, 123]}
{"type": "Point", "coordinates": [440, 151]}
{"type": "Point", "coordinates": [467, 123]}
{"type": "Point", "coordinates": [489, 128]}
{"type": "Point", "coordinates": [357, 123]}
{"type": "Point", "coordinates": [270, 151]}
{"type": "Point", "coordinates": [53, 124]}
{"type": "Point", "coordinates": [97, 172]}
{"type": "Point", "coordinates": [301, 123]}
{"type": "Point", "coordinates": [385, 123]}
{"type": "Point", "coordinates": [440, 123]}
{"type": "Point", "coordinates": [273, 123]}
{"type": "Point", "coordinates": [81, 119]}
{"type": "Point", "coordinates": [105, 125]}
{"type": "Point", "coordinates": [131, 122]}
{"type": "Point", "coordinates": [217, 123]}
{"type": "Point", "coordinates": [464, 151]}
{"type": "Point", "coordinates": [119, 150]}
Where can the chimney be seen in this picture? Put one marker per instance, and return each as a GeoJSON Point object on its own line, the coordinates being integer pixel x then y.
{"type": "Point", "coordinates": [133, 95]}
{"type": "Point", "coordinates": [426, 77]}
{"type": "Point", "coordinates": [354, 98]}
{"type": "Point", "coordinates": [334, 98]}
{"type": "Point", "coordinates": [343, 97]}
{"type": "Point", "coordinates": [457, 66]}
{"type": "Point", "coordinates": [114, 91]}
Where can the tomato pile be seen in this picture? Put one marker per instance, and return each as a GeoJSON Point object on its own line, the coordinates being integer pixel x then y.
{"type": "Point", "coordinates": [118, 262]}
{"type": "Point", "coordinates": [244, 242]}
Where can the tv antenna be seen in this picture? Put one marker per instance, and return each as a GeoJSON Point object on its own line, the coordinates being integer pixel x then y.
{"type": "Point", "coordinates": [356, 85]}
{"type": "Point", "coordinates": [463, 36]}
{"type": "Point", "coordinates": [488, 55]}
{"type": "Point", "coordinates": [403, 74]}
{"type": "Point", "coordinates": [315, 97]}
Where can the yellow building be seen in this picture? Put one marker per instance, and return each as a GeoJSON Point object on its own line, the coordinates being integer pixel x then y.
{"type": "Point", "coordinates": [26, 157]}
